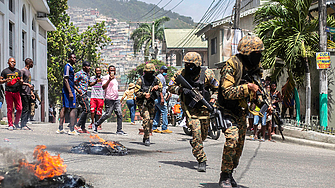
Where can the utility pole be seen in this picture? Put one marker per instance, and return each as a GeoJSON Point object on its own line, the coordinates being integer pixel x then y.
{"type": "Point", "coordinates": [153, 37]}
{"type": "Point", "coordinates": [153, 41]}
{"type": "Point", "coordinates": [323, 98]}
{"type": "Point", "coordinates": [237, 14]}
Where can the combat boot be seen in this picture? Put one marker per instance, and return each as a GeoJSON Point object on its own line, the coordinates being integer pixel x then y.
{"type": "Point", "coordinates": [233, 182]}
{"type": "Point", "coordinates": [202, 166]}
{"type": "Point", "coordinates": [225, 181]}
{"type": "Point", "coordinates": [146, 142]}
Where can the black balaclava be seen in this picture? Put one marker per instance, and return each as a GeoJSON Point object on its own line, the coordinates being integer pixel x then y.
{"type": "Point", "coordinates": [192, 71]}
{"type": "Point", "coordinates": [149, 76]}
{"type": "Point", "coordinates": [252, 60]}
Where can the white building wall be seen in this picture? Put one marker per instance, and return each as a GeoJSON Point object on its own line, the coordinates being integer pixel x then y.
{"type": "Point", "coordinates": [39, 71]}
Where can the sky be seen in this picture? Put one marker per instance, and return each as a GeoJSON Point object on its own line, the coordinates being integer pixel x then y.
{"type": "Point", "coordinates": [192, 8]}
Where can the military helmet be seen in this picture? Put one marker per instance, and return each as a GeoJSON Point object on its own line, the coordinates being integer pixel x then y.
{"type": "Point", "coordinates": [149, 67]}
{"type": "Point", "coordinates": [250, 44]}
{"type": "Point", "coordinates": [193, 57]}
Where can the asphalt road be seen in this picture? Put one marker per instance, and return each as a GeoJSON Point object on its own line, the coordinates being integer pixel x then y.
{"type": "Point", "coordinates": [168, 162]}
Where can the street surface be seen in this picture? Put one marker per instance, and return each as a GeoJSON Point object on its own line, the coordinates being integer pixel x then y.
{"type": "Point", "coordinates": [168, 162]}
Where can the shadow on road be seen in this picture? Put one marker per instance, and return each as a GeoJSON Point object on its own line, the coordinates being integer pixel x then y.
{"type": "Point", "coordinates": [190, 164]}
{"type": "Point", "coordinates": [249, 163]}
{"type": "Point", "coordinates": [216, 185]}
{"type": "Point", "coordinates": [141, 143]}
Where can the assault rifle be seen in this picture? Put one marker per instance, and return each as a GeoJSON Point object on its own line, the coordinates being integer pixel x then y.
{"type": "Point", "coordinates": [215, 113]}
{"type": "Point", "coordinates": [250, 77]}
{"type": "Point", "coordinates": [145, 99]}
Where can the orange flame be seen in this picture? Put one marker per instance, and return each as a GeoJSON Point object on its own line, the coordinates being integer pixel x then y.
{"type": "Point", "coordinates": [47, 166]}
{"type": "Point", "coordinates": [104, 142]}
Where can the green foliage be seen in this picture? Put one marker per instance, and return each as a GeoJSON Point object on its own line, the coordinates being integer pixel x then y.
{"type": "Point", "coordinates": [288, 33]}
{"type": "Point", "coordinates": [134, 74]}
{"type": "Point", "coordinates": [67, 40]}
{"type": "Point", "coordinates": [143, 35]}
{"type": "Point", "coordinates": [126, 11]}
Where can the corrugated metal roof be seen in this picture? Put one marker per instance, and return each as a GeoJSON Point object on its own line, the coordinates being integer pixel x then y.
{"type": "Point", "coordinates": [176, 38]}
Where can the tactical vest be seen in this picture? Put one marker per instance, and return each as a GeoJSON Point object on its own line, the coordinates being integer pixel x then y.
{"type": "Point", "coordinates": [145, 87]}
{"type": "Point", "coordinates": [199, 84]}
{"type": "Point", "coordinates": [232, 106]}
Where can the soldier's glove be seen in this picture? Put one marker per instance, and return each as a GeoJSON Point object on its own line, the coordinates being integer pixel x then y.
{"type": "Point", "coordinates": [187, 91]}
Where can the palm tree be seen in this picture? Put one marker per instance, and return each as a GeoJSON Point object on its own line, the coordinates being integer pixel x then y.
{"type": "Point", "coordinates": [143, 35]}
{"type": "Point", "coordinates": [289, 33]}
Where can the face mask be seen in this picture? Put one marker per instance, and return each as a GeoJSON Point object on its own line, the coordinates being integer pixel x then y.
{"type": "Point", "coordinates": [192, 70]}
{"type": "Point", "coordinates": [255, 58]}
{"type": "Point", "coordinates": [149, 75]}
{"type": "Point", "coordinates": [164, 74]}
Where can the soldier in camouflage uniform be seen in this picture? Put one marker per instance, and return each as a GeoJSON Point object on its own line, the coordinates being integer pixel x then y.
{"type": "Point", "coordinates": [197, 116]}
{"type": "Point", "coordinates": [232, 97]}
{"type": "Point", "coordinates": [147, 89]}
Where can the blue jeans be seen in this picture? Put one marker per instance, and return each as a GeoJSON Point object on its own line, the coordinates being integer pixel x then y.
{"type": "Point", "coordinates": [256, 119]}
{"type": "Point", "coordinates": [132, 108]}
{"type": "Point", "coordinates": [160, 109]}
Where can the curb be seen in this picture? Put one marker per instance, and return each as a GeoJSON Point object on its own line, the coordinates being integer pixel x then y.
{"type": "Point", "coordinates": [303, 142]}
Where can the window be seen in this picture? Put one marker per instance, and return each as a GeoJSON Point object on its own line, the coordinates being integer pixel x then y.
{"type": "Point", "coordinates": [42, 32]}
{"type": "Point", "coordinates": [11, 5]}
{"type": "Point", "coordinates": [33, 27]}
{"type": "Point", "coordinates": [33, 47]}
{"type": "Point", "coordinates": [24, 14]}
{"type": "Point", "coordinates": [213, 46]}
{"type": "Point", "coordinates": [11, 39]}
{"type": "Point", "coordinates": [23, 45]}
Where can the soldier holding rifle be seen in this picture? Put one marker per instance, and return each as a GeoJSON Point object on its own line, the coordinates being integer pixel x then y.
{"type": "Point", "coordinates": [147, 89]}
{"type": "Point", "coordinates": [203, 80]}
{"type": "Point", "coordinates": [234, 92]}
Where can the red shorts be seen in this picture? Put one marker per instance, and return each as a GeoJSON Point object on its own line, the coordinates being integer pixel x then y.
{"type": "Point", "coordinates": [97, 104]}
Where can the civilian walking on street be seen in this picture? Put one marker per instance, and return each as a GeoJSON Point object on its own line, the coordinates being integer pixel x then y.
{"type": "Point", "coordinates": [161, 109]}
{"type": "Point", "coordinates": [112, 103]}
{"type": "Point", "coordinates": [26, 93]}
{"type": "Point", "coordinates": [12, 77]}
{"type": "Point", "coordinates": [129, 94]}
{"type": "Point", "coordinates": [81, 80]}
{"type": "Point", "coordinates": [69, 97]}
{"type": "Point", "coordinates": [97, 96]}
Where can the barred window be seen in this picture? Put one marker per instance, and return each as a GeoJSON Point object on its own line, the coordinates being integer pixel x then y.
{"type": "Point", "coordinates": [11, 39]}
{"type": "Point", "coordinates": [11, 5]}
{"type": "Point", "coordinates": [23, 45]}
{"type": "Point", "coordinates": [24, 14]}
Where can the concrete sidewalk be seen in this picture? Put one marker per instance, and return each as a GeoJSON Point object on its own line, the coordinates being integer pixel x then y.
{"type": "Point", "coordinates": [309, 138]}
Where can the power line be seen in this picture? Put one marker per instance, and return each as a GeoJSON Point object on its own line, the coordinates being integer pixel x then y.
{"type": "Point", "coordinates": [198, 24]}
{"type": "Point", "coordinates": [222, 12]}
{"type": "Point", "coordinates": [172, 8]}
{"type": "Point", "coordinates": [160, 9]}
{"type": "Point", "coordinates": [151, 10]}
{"type": "Point", "coordinates": [204, 21]}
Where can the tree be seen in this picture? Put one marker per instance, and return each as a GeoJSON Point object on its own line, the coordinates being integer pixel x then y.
{"type": "Point", "coordinates": [134, 74]}
{"type": "Point", "coordinates": [66, 40]}
{"type": "Point", "coordinates": [143, 35]}
{"type": "Point", "coordinates": [289, 32]}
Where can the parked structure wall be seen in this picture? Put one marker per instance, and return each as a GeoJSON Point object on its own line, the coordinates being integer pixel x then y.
{"type": "Point", "coordinates": [23, 34]}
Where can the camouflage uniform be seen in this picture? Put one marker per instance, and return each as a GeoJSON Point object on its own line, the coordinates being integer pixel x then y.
{"type": "Point", "coordinates": [232, 97]}
{"type": "Point", "coordinates": [147, 111]}
{"type": "Point", "coordinates": [197, 118]}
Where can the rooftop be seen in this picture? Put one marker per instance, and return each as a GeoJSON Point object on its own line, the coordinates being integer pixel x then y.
{"type": "Point", "coordinates": [176, 38]}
